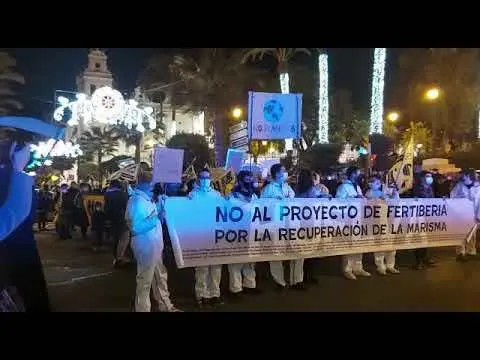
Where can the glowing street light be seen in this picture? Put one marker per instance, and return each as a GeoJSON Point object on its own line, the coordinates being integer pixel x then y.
{"type": "Point", "coordinates": [393, 116]}
{"type": "Point", "coordinates": [237, 113]}
{"type": "Point", "coordinates": [432, 94]}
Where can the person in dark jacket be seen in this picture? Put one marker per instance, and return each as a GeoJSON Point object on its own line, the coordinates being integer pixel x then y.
{"type": "Point", "coordinates": [44, 207]}
{"type": "Point", "coordinates": [79, 212]}
{"type": "Point", "coordinates": [98, 225]}
{"type": "Point", "coordinates": [115, 206]}
{"type": "Point", "coordinates": [423, 189]}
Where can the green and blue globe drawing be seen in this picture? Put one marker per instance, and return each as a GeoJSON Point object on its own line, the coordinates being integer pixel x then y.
{"type": "Point", "coordinates": [273, 111]}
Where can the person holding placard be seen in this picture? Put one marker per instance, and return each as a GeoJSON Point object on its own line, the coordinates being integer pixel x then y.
{"type": "Point", "coordinates": [384, 260]}
{"type": "Point", "coordinates": [279, 189]}
{"type": "Point", "coordinates": [207, 278]}
{"type": "Point", "coordinates": [147, 246]}
{"type": "Point", "coordinates": [350, 189]}
{"type": "Point", "coordinates": [242, 276]}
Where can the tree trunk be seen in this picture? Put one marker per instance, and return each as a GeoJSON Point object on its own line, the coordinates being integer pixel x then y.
{"type": "Point", "coordinates": [138, 145]}
{"type": "Point", "coordinates": [100, 172]}
{"type": "Point", "coordinates": [219, 129]}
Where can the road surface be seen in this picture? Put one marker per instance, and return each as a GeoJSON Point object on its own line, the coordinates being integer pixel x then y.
{"type": "Point", "coordinates": [80, 280]}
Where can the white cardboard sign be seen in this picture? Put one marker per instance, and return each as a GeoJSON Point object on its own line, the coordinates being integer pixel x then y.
{"type": "Point", "coordinates": [167, 165]}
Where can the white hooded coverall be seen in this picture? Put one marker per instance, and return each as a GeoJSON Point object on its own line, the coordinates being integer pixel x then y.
{"type": "Point", "coordinates": [147, 246]}
{"type": "Point", "coordinates": [461, 191]}
{"type": "Point", "coordinates": [282, 191]}
{"type": "Point", "coordinates": [354, 262]}
{"type": "Point", "coordinates": [241, 275]}
{"type": "Point", "coordinates": [383, 259]}
{"type": "Point", "coordinates": [207, 278]}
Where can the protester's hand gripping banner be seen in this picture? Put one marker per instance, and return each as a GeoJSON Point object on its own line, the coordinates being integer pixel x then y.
{"type": "Point", "coordinates": [207, 232]}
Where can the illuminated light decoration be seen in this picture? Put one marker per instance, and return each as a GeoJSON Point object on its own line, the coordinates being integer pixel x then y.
{"type": "Point", "coordinates": [323, 99]}
{"type": "Point", "coordinates": [106, 106]}
{"type": "Point", "coordinates": [32, 173]}
{"type": "Point", "coordinates": [173, 129]}
{"type": "Point", "coordinates": [199, 123]}
{"type": "Point", "coordinates": [285, 89]}
{"type": "Point", "coordinates": [348, 154]}
{"type": "Point", "coordinates": [378, 84]}
{"type": "Point", "coordinates": [42, 150]}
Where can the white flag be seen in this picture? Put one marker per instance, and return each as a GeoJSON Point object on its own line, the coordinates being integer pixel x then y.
{"type": "Point", "coordinates": [402, 172]}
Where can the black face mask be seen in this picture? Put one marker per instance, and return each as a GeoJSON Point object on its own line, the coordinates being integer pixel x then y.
{"type": "Point", "coordinates": [247, 189]}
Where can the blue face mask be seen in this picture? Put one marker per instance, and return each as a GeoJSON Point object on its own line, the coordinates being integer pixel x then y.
{"type": "Point", "coordinates": [205, 183]}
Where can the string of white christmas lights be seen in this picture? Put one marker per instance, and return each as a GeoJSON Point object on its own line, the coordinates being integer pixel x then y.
{"type": "Point", "coordinates": [67, 149]}
{"type": "Point", "coordinates": [106, 106]}
{"type": "Point", "coordinates": [323, 99]}
{"type": "Point", "coordinates": [378, 84]}
{"type": "Point", "coordinates": [285, 89]}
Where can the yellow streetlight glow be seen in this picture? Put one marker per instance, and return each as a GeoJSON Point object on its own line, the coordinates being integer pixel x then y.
{"type": "Point", "coordinates": [393, 116]}
{"type": "Point", "coordinates": [432, 94]}
{"type": "Point", "coordinates": [237, 113]}
{"type": "Point", "coordinates": [264, 143]}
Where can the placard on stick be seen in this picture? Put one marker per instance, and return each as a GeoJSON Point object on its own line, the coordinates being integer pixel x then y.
{"type": "Point", "coordinates": [167, 165]}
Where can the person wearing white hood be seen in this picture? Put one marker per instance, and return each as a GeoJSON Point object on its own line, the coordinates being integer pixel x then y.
{"type": "Point", "coordinates": [349, 189]}
{"type": "Point", "coordinates": [207, 278]}
{"type": "Point", "coordinates": [147, 245]}
{"type": "Point", "coordinates": [384, 260]}
{"type": "Point", "coordinates": [468, 188]}
{"type": "Point", "coordinates": [280, 190]}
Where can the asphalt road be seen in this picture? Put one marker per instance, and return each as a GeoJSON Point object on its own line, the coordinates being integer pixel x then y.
{"type": "Point", "coordinates": [80, 280]}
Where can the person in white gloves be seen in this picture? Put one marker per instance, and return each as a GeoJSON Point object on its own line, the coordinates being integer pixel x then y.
{"type": "Point", "coordinates": [279, 189]}
{"type": "Point", "coordinates": [18, 204]}
{"type": "Point", "coordinates": [349, 189]}
{"type": "Point", "coordinates": [384, 260]}
{"type": "Point", "coordinates": [207, 278]}
{"type": "Point", "coordinates": [147, 246]}
{"type": "Point", "coordinates": [468, 188]}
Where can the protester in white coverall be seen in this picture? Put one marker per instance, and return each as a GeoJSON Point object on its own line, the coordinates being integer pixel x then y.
{"type": "Point", "coordinates": [468, 188]}
{"type": "Point", "coordinates": [147, 246]}
{"type": "Point", "coordinates": [279, 189]}
{"type": "Point", "coordinates": [349, 189]}
{"type": "Point", "coordinates": [207, 278]}
{"type": "Point", "coordinates": [384, 260]}
{"type": "Point", "coordinates": [242, 276]}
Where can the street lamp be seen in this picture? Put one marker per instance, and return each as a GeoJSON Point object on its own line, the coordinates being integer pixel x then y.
{"type": "Point", "coordinates": [432, 94]}
{"type": "Point", "coordinates": [393, 116]}
{"type": "Point", "coordinates": [237, 113]}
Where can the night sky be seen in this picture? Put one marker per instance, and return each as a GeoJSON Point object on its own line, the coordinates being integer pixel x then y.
{"type": "Point", "coordinates": [50, 69]}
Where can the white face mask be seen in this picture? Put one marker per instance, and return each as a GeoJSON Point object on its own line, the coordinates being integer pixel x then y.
{"type": "Point", "coordinates": [205, 183]}
{"type": "Point", "coordinates": [255, 185]}
{"type": "Point", "coordinates": [375, 186]}
{"type": "Point", "coordinates": [429, 180]}
{"type": "Point", "coordinates": [285, 177]}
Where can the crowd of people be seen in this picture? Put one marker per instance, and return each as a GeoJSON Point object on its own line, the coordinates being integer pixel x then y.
{"type": "Point", "coordinates": [135, 215]}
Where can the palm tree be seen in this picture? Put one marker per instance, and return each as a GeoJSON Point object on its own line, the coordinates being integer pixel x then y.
{"type": "Point", "coordinates": [8, 77]}
{"type": "Point", "coordinates": [98, 143]}
{"type": "Point", "coordinates": [283, 56]}
{"type": "Point", "coordinates": [214, 83]}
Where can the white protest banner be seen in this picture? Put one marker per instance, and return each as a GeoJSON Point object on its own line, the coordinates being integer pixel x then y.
{"type": "Point", "coordinates": [167, 165]}
{"type": "Point", "coordinates": [234, 160]}
{"type": "Point", "coordinates": [274, 116]}
{"type": "Point", "coordinates": [208, 232]}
